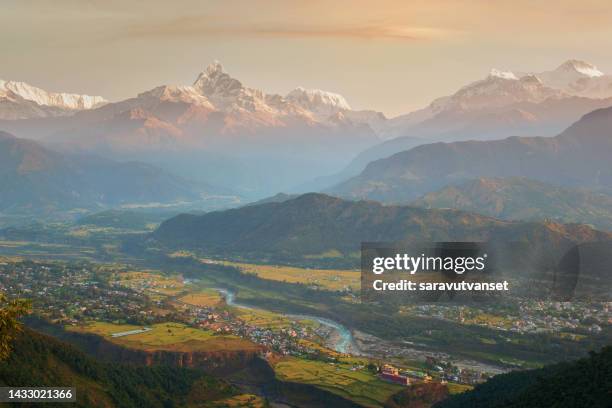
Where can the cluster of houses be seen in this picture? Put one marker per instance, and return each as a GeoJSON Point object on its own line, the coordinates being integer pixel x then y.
{"type": "Point", "coordinates": [531, 316]}
{"type": "Point", "coordinates": [68, 293]}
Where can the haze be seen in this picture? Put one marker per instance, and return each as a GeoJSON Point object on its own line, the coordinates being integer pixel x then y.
{"type": "Point", "coordinates": [393, 56]}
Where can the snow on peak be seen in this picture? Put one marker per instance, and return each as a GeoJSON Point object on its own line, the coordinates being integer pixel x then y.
{"type": "Point", "coordinates": [215, 81]}
{"type": "Point", "coordinates": [41, 97]}
{"type": "Point", "coordinates": [502, 74]}
{"type": "Point", "coordinates": [580, 67]}
{"type": "Point", "coordinates": [214, 67]}
{"type": "Point", "coordinates": [318, 101]}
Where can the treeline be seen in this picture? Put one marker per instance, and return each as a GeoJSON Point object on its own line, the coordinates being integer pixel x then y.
{"type": "Point", "coordinates": [41, 361]}
{"type": "Point", "coordinates": [583, 383]}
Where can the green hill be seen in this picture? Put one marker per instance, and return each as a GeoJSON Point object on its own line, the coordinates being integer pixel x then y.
{"type": "Point", "coordinates": [584, 383]}
{"type": "Point", "coordinates": [518, 198]}
{"type": "Point", "coordinates": [42, 361]}
{"type": "Point", "coordinates": [315, 224]}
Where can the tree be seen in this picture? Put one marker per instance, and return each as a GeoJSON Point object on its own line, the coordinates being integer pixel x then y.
{"type": "Point", "coordinates": [10, 326]}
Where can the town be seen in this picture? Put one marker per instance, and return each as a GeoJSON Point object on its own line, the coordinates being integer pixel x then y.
{"type": "Point", "coordinates": [77, 293]}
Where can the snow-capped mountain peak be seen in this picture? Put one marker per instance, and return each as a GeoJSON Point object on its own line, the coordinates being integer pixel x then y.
{"type": "Point", "coordinates": [502, 74]}
{"type": "Point", "coordinates": [22, 101]}
{"type": "Point", "coordinates": [318, 101]}
{"type": "Point", "coordinates": [580, 67]}
{"type": "Point", "coordinates": [41, 97]}
{"type": "Point", "coordinates": [214, 81]}
{"type": "Point", "coordinates": [577, 77]}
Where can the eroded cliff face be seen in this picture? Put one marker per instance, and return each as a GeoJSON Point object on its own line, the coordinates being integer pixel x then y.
{"type": "Point", "coordinates": [214, 362]}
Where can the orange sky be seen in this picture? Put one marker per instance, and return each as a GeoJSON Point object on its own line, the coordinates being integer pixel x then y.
{"type": "Point", "coordinates": [392, 56]}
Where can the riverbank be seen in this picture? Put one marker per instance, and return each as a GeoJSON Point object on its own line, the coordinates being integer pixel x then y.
{"type": "Point", "coordinates": [340, 338]}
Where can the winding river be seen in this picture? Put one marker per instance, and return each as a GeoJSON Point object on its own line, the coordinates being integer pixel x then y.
{"type": "Point", "coordinates": [342, 341]}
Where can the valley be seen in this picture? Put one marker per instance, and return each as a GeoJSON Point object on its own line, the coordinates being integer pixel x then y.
{"type": "Point", "coordinates": [196, 310]}
{"type": "Point", "coordinates": [209, 235]}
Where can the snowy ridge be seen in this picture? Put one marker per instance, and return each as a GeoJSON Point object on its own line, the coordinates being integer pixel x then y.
{"type": "Point", "coordinates": [41, 97]}
{"type": "Point", "coordinates": [318, 101]}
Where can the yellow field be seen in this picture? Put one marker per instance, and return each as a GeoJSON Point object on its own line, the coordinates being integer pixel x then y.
{"type": "Point", "coordinates": [458, 388]}
{"type": "Point", "coordinates": [268, 320]}
{"type": "Point", "coordinates": [240, 401]}
{"type": "Point", "coordinates": [360, 386]}
{"type": "Point", "coordinates": [330, 279]}
{"type": "Point", "coordinates": [167, 336]}
{"type": "Point", "coordinates": [205, 298]}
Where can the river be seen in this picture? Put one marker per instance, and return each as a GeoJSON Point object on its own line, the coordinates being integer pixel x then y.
{"type": "Point", "coordinates": [341, 339]}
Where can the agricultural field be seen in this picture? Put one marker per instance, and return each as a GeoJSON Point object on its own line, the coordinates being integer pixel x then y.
{"type": "Point", "coordinates": [329, 279]}
{"type": "Point", "coordinates": [203, 298]}
{"type": "Point", "coordinates": [240, 401]}
{"type": "Point", "coordinates": [344, 379]}
{"type": "Point", "coordinates": [269, 320]}
{"type": "Point", "coordinates": [454, 388]}
{"type": "Point", "coordinates": [168, 337]}
{"type": "Point", "coordinates": [36, 250]}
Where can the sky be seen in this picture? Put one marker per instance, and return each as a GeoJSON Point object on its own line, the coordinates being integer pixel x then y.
{"type": "Point", "coordinates": [393, 56]}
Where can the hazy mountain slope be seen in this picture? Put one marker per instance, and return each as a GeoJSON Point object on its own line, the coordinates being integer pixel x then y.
{"type": "Point", "coordinates": [578, 78]}
{"type": "Point", "coordinates": [502, 104]}
{"type": "Point", "coordinates": [579, 157]}
{"type": "Point", "coordinates": [35, 179]}
{"type": "Point", "coordinates": [585, 383]}
{"type": "Point", "coordinates": [524, 199]}
{"type": "Point", "coordinates": [312, 224]}
{"type": "Point", "coordinates": [42, 361]}
{"type": "Point", "coordinates": [219, 131]}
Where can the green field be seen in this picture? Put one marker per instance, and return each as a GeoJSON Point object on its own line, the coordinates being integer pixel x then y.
{"type": "Point", "coordinates": [360, 386]}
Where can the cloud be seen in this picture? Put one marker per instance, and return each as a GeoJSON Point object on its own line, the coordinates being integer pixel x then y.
{"type": "Point", "coordinates": [202, 26]}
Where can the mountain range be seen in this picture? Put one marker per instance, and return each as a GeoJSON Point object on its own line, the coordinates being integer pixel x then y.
{"type": "Point", "coordinates": [577, 157]}
{"type": "Point", "coordinates": [518, 198]}
{"type": "Point", "coordinates": [19, 100]}
{"type": "Point", "coordinates": [227, 134]}
{"type": "Point", "coordinates": [502, 104]}
{"type": "Point", "coordinates": [218, 130]}
{"type": "Point", "coordinates": [36, 180]}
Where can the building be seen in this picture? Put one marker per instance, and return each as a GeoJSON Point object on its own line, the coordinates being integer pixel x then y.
{"type": "Point", "coordinates": [392, 374]}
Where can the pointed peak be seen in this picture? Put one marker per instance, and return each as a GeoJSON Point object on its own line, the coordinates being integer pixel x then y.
{"type": "Point", "coordinates": [214, 68]}
{"type": "Point", "coordinates": [530, 78]}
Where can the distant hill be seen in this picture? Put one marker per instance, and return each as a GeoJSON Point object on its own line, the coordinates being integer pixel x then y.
{"type": "Point", "coordinates": [41, 361]}
{"type": "Point", "coordinates": [578, 157]}
{"type": "Point", "coordinates": [585, 383]}
{"type": "Point", "coordinates": [277, 198]}
{"type": "Point", "coordinates": [122, 219]}
{"type": "Point", "coordinates": [34, 179]}
{"type": "Point", "coordinates": [314, 224]}
{"type": "Point", "coordinates": [518, 198]}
